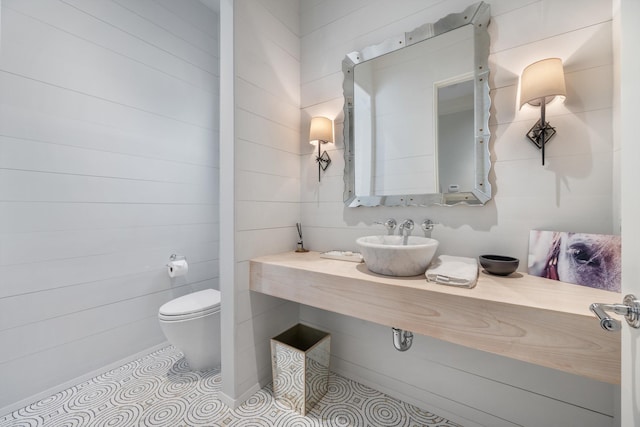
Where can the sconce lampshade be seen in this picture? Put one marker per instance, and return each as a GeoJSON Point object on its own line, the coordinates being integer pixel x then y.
{"type": "Point", "coordinates": [542, 79]}
{"type": "Point", "coordinates": [539, 84]}
{"type": "Point", "coordinates": [321, 130]}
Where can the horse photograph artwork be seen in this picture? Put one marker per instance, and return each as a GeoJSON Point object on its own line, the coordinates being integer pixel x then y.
{"type": "Point", "coordinates": [583, 259]}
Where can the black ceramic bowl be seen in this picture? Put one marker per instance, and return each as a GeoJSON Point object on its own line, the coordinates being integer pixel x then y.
{"type": "Point", "coordinates": [498, 264]}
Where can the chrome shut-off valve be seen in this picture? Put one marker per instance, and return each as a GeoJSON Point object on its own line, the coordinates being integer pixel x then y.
{"type": "Point", "coordinates": [630, 309]}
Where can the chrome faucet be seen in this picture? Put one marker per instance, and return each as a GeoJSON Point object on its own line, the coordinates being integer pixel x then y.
{"type": "Point", "coordinates": [406, 226]}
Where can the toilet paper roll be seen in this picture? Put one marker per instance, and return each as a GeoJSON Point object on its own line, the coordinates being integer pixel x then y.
{"type": "Point", "coordinates": [177, 268]}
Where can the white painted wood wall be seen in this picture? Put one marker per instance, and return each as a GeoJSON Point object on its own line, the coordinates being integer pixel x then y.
{"type": "Point", "coordinates": [108, 164]}
{"type": "Point", "coordinates": [572, 192]}
{"type": "Point", "coordinates": [267, 177]}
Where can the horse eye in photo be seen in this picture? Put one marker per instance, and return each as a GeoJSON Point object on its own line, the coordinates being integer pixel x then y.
{"type": "Point", "coordinates": [583, 254]}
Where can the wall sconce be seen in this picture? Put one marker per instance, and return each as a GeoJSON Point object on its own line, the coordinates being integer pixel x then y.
{"type": "Point", "coordinates": [322, 132]}
{"type": "Point", "coordinates": [540, 83]}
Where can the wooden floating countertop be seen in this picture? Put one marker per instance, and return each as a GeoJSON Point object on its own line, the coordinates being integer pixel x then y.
{"type": "Point", "coordinates": [524, 317]}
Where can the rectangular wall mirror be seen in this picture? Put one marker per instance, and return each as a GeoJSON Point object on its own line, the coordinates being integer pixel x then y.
{"type": "Point", "coordinates": [416, 116]}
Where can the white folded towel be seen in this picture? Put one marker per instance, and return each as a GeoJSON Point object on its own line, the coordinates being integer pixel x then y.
{"type": "Point", "coordinates": [454, 271]}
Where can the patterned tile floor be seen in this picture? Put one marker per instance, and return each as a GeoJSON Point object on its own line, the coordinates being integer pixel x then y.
{"type": "Point", "coordinates": [159, 390]}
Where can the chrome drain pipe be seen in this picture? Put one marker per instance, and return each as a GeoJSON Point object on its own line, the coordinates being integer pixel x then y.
{"type": "Point", "coordinates": [402, 339]}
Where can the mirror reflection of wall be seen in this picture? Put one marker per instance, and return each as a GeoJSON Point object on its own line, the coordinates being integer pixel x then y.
{"type": "Point", "coordinates": [456, 152]}
{"type": "Point", "coordinates": [394, 121]}
{"type": "Point", "coordinates": [364, 127]}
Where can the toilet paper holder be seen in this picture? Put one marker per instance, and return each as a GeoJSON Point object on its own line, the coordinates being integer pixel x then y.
{"type": "Point", "coordinates": [175, 257]}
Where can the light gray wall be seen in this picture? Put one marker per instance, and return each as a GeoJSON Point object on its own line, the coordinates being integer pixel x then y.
{"type": "Point", "coordinates": [108, 164]}
{"type": "Point", "coordinates": [267, 178]}
{"type": "Point", "coordinates": [572, 192]}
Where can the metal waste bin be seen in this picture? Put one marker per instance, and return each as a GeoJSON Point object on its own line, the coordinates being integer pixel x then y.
{"type": "Point", "coordinates": [300, 363]}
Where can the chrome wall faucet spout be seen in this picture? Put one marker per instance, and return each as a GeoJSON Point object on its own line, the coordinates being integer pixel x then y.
{"type": "Point", "coordinates": [406, 226]}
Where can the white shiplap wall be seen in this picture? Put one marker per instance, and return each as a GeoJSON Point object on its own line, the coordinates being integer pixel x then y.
{"type": "Point", "coordinates": [572, 192]}
{"type": "Point", "coordinates": [108, 164]}
{"type": "Point", "coordinates": [267, 177]}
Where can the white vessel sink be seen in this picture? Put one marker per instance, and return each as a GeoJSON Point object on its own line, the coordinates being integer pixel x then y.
{"type": "Point", "coordinates": [397, 255]}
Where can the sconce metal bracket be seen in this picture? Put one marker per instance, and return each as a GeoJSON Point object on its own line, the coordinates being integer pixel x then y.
{"type": "Point", "coordinates": [323, 160]}
{"type": "Point", "coordinates": [535, 133]}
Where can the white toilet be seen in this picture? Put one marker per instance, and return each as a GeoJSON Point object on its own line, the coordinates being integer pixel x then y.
{"type": "Point", "coordinates": [191, 323]}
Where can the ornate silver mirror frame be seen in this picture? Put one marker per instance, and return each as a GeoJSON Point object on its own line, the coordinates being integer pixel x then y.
{"type": "Point", "coordinates": [477, 15]}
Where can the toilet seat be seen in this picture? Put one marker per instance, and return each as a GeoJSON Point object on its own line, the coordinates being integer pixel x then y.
{"type": "Point", "coordinates": [197, 304]}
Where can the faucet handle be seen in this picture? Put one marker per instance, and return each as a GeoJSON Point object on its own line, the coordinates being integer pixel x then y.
{"type": "Point", "coordinates": [427, 225]}
{"type": "Point", "coordinates": [390, 224]}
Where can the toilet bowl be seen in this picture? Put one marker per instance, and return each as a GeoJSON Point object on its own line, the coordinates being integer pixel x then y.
{"type": "Point", "coordinates": [191, 323]}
